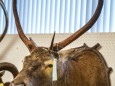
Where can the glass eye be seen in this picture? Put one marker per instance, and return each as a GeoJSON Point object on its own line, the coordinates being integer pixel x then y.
{"type": "Point", "coordinates": [50, 65]}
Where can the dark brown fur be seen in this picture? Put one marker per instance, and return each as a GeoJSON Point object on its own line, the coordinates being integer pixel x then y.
{"type": "Point", "coordinates": [81, 66]}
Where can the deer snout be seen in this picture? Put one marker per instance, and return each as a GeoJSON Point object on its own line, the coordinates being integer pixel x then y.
{"type": "Point", "coordinates": [17, 81]}
{"type": "Point", "coordinates": [20, 80]}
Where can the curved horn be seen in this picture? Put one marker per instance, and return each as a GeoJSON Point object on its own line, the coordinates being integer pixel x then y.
{"type": "Point", "coordinates": [1, 74]}
{"type": "Point", "coordinates": [77, 34]}
{"type": "Point", "coordinates": [9, 67]}
{"type": "Point", "coordinates": [30, 45]}
{"type": "Point", "coordinates": [6, 17]}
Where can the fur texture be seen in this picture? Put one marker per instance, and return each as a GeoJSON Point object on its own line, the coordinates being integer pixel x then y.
{"type": "Point", "coordinates": [81, 66]}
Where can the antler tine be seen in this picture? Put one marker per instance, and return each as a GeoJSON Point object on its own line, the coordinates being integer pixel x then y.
{"type": "Point", "coordinates": [82, 30]}
{"type": "Point", "coordinates": [6, 17]}
{"type": "Point", "coordinates": [52, 42]}
{"type": "Point", "coordinates": [30, 45]}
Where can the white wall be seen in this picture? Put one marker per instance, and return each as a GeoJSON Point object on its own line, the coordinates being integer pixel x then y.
{"type": "Point", "coordinates": [13, 50]}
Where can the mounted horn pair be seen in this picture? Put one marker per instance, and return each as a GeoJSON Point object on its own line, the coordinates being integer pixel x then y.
{"type": "Point", "coordinates": [57, 46]}
{"type": "Point", "coordinates": [6, 17]}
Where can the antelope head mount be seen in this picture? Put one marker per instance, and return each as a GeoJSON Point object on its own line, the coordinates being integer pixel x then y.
{"type": "Point", "coordinates": [74, 65]}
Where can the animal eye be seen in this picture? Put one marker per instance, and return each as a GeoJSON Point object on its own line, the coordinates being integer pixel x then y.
{"type": "Point", "coordinates": [50, 65]}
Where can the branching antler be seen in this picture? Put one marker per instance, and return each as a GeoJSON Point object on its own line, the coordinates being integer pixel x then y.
{"type": "Point", "coordinates": [77, 34]}
{"type": "Point", "coordinates": [30, 45]}
{"type": "Point", "coordinates": [6, 16]}
{"type": "Point", "coordinates": [58, 46]}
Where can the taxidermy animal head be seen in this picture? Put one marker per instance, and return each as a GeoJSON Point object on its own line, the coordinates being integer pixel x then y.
{"type": "Point", "coordinates": [82, 66]}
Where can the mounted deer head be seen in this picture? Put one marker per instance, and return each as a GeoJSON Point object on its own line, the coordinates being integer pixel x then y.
{"type": "Point", "coordinates": [81, 66]}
